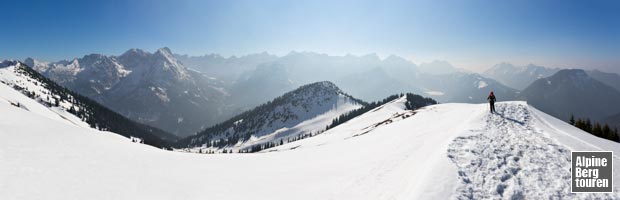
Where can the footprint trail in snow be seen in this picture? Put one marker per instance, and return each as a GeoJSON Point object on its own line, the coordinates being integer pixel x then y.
{"type": "Point", "coordinates": [510, 159]}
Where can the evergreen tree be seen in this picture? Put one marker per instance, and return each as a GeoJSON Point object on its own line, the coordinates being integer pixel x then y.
{"type": "Point", "coordinates": [597, 130]}
{"type": "Point", "coordinates": [580, 124]}
{"type": "Point", "coordinates": [607, 132]}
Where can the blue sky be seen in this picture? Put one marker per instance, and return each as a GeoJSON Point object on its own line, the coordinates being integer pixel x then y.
{"type": "Point", "coordinates": [470, 34]}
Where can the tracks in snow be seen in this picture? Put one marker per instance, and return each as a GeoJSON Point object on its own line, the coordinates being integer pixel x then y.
{"type": "Point", "coordinates": [510, 159]}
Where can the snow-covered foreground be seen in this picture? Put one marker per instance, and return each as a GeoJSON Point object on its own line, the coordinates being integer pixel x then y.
{"type": "Point", "coordinates": [388, 153]}
{"type": "Point", "coordinates": [521, 152]}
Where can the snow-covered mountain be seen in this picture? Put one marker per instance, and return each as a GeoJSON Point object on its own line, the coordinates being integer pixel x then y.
{"type": "Point", "coordinates": [572, 91]}
{"type": "Point", "coordinates": [151, 88]}
{"type": "Point", "coordinates": [90, 75]}
{"type": "Point", "coordinates": [446, 151]}
{"type": "Point", "coordinates": [24, 88]}
{"type": "Point", "coordinates": [518, 77]}
{"type": "Point", "coordinates": [305, 111]}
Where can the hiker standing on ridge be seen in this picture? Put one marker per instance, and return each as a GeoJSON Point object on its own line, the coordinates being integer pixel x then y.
{"type": "Point", "coordinates": [491, 99]}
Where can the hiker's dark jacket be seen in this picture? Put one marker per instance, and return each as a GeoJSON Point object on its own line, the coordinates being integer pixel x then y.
{"type": "Point", "coordinates": [491, 98]}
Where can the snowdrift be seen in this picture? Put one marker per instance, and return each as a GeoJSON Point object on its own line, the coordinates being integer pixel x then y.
{"type": "Point", "coordinates": [387, 153]}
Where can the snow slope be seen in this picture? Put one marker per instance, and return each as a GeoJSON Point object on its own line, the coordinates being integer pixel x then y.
{"type": "Point", "coordinates": [314, 122]}
{"type": "Point", "coordinates": [10, 78]}
{"type": "Point", "coordinates": [387, 153]}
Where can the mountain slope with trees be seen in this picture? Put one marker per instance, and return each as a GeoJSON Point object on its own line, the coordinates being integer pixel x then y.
{"type": "Point", "coordinates": [299, 113]}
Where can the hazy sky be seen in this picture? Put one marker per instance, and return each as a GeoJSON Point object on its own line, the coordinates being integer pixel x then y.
{"type": "Point", "coordinates": [469, 34]}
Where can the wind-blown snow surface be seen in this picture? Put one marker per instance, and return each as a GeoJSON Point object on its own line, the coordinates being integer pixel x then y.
{"type": "Point", "coordinates": [387, 153]}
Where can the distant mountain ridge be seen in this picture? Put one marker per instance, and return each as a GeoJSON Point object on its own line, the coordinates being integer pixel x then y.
{"type": "Point", "coordinates": [465, 87]}
{"type": "Point", "coordinates": [572, 92]}
{"type": "Point", "coordinates": [227, 69]}
{"type": "Point", "coordinates": [368, 77]}
{"type": "Point", "coordinates": [611, 79]}
{"type": "Point", "coordinates": [437, 67]}
{"type": "Point", "coordinates": [518, 77]}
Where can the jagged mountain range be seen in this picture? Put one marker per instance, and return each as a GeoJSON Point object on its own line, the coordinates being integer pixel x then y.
{"type": "Point", "coordinates": [185, 94]}
{"type": "Point", "coordinates": [151, 88]}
